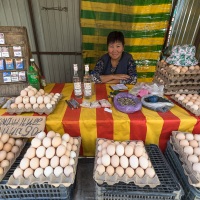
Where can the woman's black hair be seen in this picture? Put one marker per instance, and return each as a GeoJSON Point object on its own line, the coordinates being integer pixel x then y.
{"type": "Point", "coordinates": [115, 36]}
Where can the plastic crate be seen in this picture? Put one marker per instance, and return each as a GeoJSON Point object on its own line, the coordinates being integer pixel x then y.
{"type": "Point", "coordinates": [36, 191]}
{"type": "Point", "coordinates": [191, 192]}
{"type": "Point", "coordinates": [168, 189]}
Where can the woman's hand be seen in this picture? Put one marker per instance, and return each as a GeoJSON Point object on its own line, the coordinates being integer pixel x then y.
{"type": "Point", "coordinates": [120, 76]}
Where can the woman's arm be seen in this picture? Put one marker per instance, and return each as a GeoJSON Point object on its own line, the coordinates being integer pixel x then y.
{"type": "Point", "coordinates": [132, 72]}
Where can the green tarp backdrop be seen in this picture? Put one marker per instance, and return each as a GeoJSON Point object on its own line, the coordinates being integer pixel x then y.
{"type": "Point", "coordinates": [143, 22]}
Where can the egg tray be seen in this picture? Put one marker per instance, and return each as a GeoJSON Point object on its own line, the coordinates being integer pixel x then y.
{"type": "Point", "coordinates": [168, 189]}
{"type": "Point", "coordinates": [172, 72]}
{"type": "Point", "coordinates": [176, 77]}
{"type": "Point", "coordinates": [191, 192]}
{"type": "Point", "coordinates": [52, 179]}
{"type": "Point", "coordinates": [193, 176]}
{"type": "Point", "coordinates": [6, 169]}
{"type": "Point", "coordinates": [37, 110]}
{"type": "Point", "coordinates": [195, 112]}
{"type": "Point", "coordinates": [111, 180]}
{"type": "Point", "coordinates": [175, 82]}
{"type": "Point", "coordinates": [43, 191]}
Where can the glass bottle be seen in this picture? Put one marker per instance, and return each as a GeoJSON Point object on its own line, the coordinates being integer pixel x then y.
{"type": "Point", "coordinates": [87, 81]}
{"type": "Point", "coordinates": [77, 83]}
{"type": "Point", "coordinates": [33, 75]}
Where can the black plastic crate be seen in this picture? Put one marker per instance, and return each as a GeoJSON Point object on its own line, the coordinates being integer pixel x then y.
{"type": "Point", "coordinates": [168, 189]}
{"type": "Point", "coordinates": [35, 191]}
{"type": "Point", "coordinates": [191, 192]}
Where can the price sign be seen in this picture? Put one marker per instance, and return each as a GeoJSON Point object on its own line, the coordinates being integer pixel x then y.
{"type": "Point", "coordinates": [22, 126]}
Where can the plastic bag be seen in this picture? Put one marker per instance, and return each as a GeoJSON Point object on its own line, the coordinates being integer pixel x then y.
{"type": "Point", "coordinates": [127, 103]}
{"type": "Point", "coordinates": [157, 103]}
{"type": "Point", "coordinates": [143, 89]}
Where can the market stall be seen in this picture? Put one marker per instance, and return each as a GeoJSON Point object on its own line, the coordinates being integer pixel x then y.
{"type": "Point", "coordinates": [89, 123]}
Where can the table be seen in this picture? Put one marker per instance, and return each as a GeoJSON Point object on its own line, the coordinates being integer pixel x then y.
{"type": "Point", "coordinates": [147, 125]}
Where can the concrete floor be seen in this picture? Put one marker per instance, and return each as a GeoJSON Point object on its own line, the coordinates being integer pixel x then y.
{"type": "Point", "coordinates": [85, 184]}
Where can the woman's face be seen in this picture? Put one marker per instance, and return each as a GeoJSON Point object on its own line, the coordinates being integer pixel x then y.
{"type": "Point", "coordinates": [115, 50]}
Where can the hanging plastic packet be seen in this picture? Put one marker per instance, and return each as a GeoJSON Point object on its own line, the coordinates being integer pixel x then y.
{"type": "Point", "coordinates": [95, 104]}
{"type": "Point", "coordinates": [85, 104]}
{"type": "Point", "coordinates": [105, 103]}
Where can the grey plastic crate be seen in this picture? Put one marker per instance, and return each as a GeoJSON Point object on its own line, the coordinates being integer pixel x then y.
{"type": "Point", "coordinates": [168, 189]}
{"type": "Point", "coordinates": [36, 191]}
{"type": "Point", "coordinates": [191, 192]}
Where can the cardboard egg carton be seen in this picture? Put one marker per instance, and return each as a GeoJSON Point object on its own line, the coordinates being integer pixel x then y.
{"type": "Point", "coordinates": [195, 112]}
{"type": "Point", "coordinates": [166, 67]}
{"type": "Point", "coordinates": [193, 176]}
{"type": "Point", "coordinates": [6, 169]}
{"type": "Point", "coordinates": [40, 111]}
{"type": "Point", "coordinates": [164, 80]}
{"type": "Point", "coordinates": [52, 179]}
{"type": "Point", "coordinates": [115, 178]}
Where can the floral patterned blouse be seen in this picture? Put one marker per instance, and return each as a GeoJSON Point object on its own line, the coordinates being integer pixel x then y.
{"type": "Point", "coordinates": [131, 68]}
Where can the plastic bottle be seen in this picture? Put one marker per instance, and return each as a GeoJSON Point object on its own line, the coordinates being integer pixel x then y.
{"type": "Point", "coordinates": [77, 83]}
{"type": "Point", "coordinates": [33, 75]}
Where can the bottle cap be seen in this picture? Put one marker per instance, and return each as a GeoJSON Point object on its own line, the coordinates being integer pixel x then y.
{"type": "Point", "coordinates": [32, 60]}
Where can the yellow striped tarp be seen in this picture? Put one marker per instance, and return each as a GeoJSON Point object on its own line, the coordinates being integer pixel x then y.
{"type": "Point", "coordinates": [144, 24]}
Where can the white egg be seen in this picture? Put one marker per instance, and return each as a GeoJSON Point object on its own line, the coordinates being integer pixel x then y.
{"type": "Point", "coordinates": [120, 150]}
{"type": "Point", "coordinates": [134, 162]}
{"type": "Point", "coordinates": [49, 106]}
{"type": "Point", "coordinates": [38, 172]}
{"type": "Point", "coordinates": [40, 100]}
{"type": "Point", "coordinates": [68, 170]}
{"type": "Point", "coordinates": [58, 171]}
{"type": "Point", "coordinates": [48, 171]}
{"type": "Point", "coordinates": [32, 99]}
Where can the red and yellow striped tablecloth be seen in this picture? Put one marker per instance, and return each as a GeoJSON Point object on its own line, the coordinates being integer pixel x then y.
{"type": "Point", "coordinates": [147, 125]}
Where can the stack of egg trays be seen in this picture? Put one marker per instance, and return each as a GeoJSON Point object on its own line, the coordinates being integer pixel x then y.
{"type": "Point", "coordinates": [191, 192]}
{"type": "Point", "coordinates": [169, 188]}
{"type": "Point", "coordinates": [42, 191]}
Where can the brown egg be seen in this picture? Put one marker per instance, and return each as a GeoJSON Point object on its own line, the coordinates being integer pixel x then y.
{"type": "Point", "coordinates": [23, 93]}
{"type": "Point", "coordinates": [54, 162]}
{"type": "Point", "coordinates": [13, 106]}
{"type": "Point", "coordinates": [56, 141]}
{"type": "Point", "coordinates": [7, 147]}
{"type": "Point", "coordinates": [139, 150]}
{"type": "Point", "coordinates": [36, 142]}
{"type": "Point", "coordinates": [5, 138]}
{"type": "Point", "coordinates": [140, 172]}
{"type": "Point", "coordinates": [5, 163]}
{"type": "Point", "coordinates": [110, 170]}
{"type": "Point", "coordinates": [44, 162]}
{"type": "Point", "coordinates": [120, 171]}
{"type": "Point", "coordinates": [10, 156]}
{"type": "Point", "coordinates": [28, 172]}
{"type": "Point", "coordinates": [34, 163]}
{"type": "Point", "coordinates": [64, 161]}
{"type": "Point", "coordinates": [51, 134]}
{"type": "Point", "coordinates": [60, 151]}
{"type": "Point", "coordinates": [15, 149]}
{"type": "Point", "coordinates": [42, 105]}
{"type": "Point", "coordinates": [2, 155]}
{"type": "Point", "coordinates": [11, 141]}
{"type": "Point", "coordinates": [129, 150]}
{"type": "Point", "coordinates": [110, 149]}
{"type": "Point", "coordinates": [193, 143]}
{"type": "Point", "coordinates": [1, 145]}
{"type": "Point", "coordinates": [31, 93]}
{"type": "Point", "coordinates": [31, 152]}
{"type": "Point", "coordinates": [100, 169]}
{"type": "Point", "coordinates": [130, 172]}
{"type": "Point", "coordinates": [19, 142]}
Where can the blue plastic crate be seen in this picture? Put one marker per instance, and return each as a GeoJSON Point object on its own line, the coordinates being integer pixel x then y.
{"type": "Point", "coordinates": [191, 192]}
{"type": "Point", "coordinates": [36, 191]}
{"type": "Point", "coordinates": [168, 189]}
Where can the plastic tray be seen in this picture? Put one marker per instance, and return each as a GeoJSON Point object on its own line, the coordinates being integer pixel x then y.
{"type": "Point", "coordinates": [169, 188]}
{"type": "Point", "coordinates": [35, 191]}
{"type": "Point", "coordinates": [191, 192]}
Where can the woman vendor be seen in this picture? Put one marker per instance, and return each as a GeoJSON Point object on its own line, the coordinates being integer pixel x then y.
{"type": "Point", "coordinates": [116, 66]}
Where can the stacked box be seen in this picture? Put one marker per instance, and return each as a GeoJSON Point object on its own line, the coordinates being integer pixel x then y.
{"type": "Point", "coordinates": [177, 81]}
{"type": "Point", "coordinates": [35, 191]}
{"type": "Point", "coordinates": [191, 192]}
{"type": "Point", "coordinates": [168, 189]}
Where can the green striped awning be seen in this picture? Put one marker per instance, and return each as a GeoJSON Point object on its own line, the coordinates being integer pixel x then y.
{"type": "Point", "coordinates": [143, 23]}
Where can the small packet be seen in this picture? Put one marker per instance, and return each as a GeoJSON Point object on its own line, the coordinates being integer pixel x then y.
{"type": "Point", "coordinates": [95, 104]}
{"type": "Point", "coordinates": [85, 104]}
{"type": "Point", "coordinates": [105, 103]}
